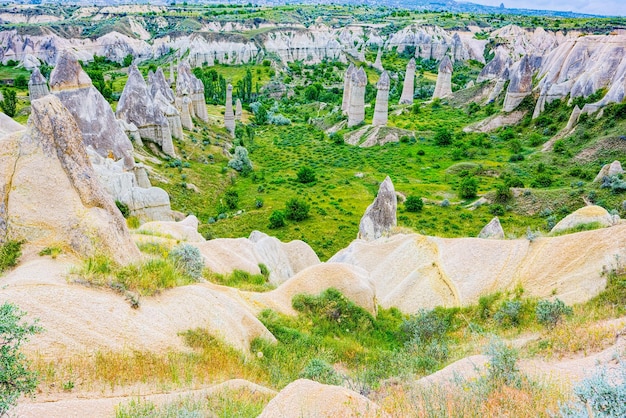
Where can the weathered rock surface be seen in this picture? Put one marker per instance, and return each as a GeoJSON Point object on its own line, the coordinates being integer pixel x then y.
{"type": "Point", "coordinates": [347, 79]}
{"type": "Point", "coordinates": [311, 46]}
{"type": "Point", "coordinates": [66, 205]}
{"type": "Point", "coordinates": [380, 216]}
{"type": "Point", "coordinates": [412, 272]}
{"type": "Point", "coordinates": [283, 260]}
{"type": "Point", "coordinates": [520, 85]}
{"type": "Point", "coordinates": [493, 230]}
{"type": "Point", "coordinates": [609, 170]}
{"type": "Point", "coordinates": [309, 399]}
{"type": "Point", "coordinates": [137, 107]}
{"type": "Point", "coordinates": [238, 110]}
{"type": "Point", "coordinates": [496, 67]}
{"type": "Point", "coordinates": [37, 85]}
{"type": "Point", "coordinates": [498, 88]}
{"type": "Point", "coordinates": [356, 109]}
{"type": "Point", "coordinates": [408, 88]}
{"type": "Point", "coordinates": [91, 111]}
{"type": "Point", "coordinates": [229, 116]}
{"type": "Point", "coordinates": [8, 125]}
{"type": "Point", "coordinates": [211, 48]}
{"type": "Point", "coordinates": [382, 100]}
{"type": "Point", "coordinates": [496, 121]}
{"type": "Point", "coordinates": [145, 202]}
{"type": "Point", "coordinates": [185, 230]}
{"type": "Point", "coordinates": [191, 88]}
{"type": "Point", "coordinates": [443, 88]}
{"type": "Point", "coordinates": [586, 215]}
{"type": "Point", "coordinates": [378, 62]}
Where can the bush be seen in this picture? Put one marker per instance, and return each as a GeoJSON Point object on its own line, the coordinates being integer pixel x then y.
{"type": "Point", "coordinates": [413, 204]}
{"type": "Point", "coordinates": [232, 199]}
{"type": "Point", "coordinates": [503, 193]}
{"type": "Point", "coordinates": [10, 252]}
{"type": "Point", "coordinates": [443, 137]}
{"type": "Point", "coordinates": [424, 327]}
{"type": "Point", "coordinates": [278, 119]}
{"type": "Point", "coordinates": [277, 219]}
{"type": "Point", "coordinates": [188, 259]}
{"type": "Point", "coordinates": [336, 138]}
{"type": "Point", "coordinates": [550, 314]}
{"type": "Point", "coordinates": [15, 378]}
{"type": "Point", "coordinates": [320, 371]}
{"type": "Point", "coordinates": [128, 60]}
{"type": "Point", "coordinates": [296, 210]}
{"type": "Point", "coordinates": [502, 365]}
{"type": "Point", "coordinates": [123, 207]}
{"type": "Point", "coordinates": [469, 188]}
{"type": "Point", "coordinates": [542, 180]}
{"type": "Point", "coordinates": [306, 175]}
{"type": "Point", "coordinates": [258, 203]}
{"type": "Point", "coordinates": [509, 313]}
{"type": "Point", "coordinates": [496, 210]}
{"type": "Point", "coordinates": [240, 161]}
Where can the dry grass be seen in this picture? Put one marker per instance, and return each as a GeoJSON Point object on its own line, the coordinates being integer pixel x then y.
{"type": "Point", "coordinates": [210, 361]}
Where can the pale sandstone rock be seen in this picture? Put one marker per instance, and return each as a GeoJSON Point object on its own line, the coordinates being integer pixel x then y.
{"type": "Point", "coordinates": [609, 170]}
{"type": "Point", "coordinates": [378, 62]}
{"type": "Point", "coordinates": [382, 100]}
{"type": "Point", "coordinates": [573, 118]}
{"type": "Point", "coordinates": [380, 216]}
{"type": "Point", "coordinates": [493, 230]}
{"type": "Point", "coordinates": [91, 111]}
{"type": "Point", "coordinates": [229, 116]}
{"type": "Point", "coordinates": [347, 78]}
{"type": "Point", "coordinates": [408, 89]}
{"type": "Point", "coordinates": [309, 399]}
{"type": "Point", "coordinates": [137, 107]}
{"type": "Point", "coordinates": [185, 230]}
{"type": "Point", "coordinates": [356, 108]}
{"type": "Point", "coordinates": [37, 85]}
{"type": "Point", "coordinates": [586, 215]}
{"type": "Point", "coordinates": [443, 88]}
{"type": "Point", "coordinates": [520, 85]}
{"type": "Point", "coordinates": [66, 205]}
{"type": "Point", "coordinates": [8, 125]}
{"type": "Point", "coordinates": [238, 110]}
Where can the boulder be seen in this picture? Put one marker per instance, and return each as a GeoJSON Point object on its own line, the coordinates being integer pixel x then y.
{"type": "Point", "coordinates": [37, 85]}
{"type": "Point", "coordinates": [137, 107]}
{"type": "Point", "coordinates": [145, 202]}
{"type": "Point", "coordinates": [185, 230]}
{"type": "Point", "coordinates": [443, 88]}
{"type": "Point", "coordinates": [609, 170]}
{"type": "Point", "coordinates": [380, 216]}
{"type": "Point", "coordinates": [493, 230]}
{"type": "Point", "coordinates": [586, 215]}
{"type": "Point", "coordinates": [308, 399]}
{"type": "Point", "coordinates": [91, 111]}
{"type": "Point", "coordinates": [66, 205]}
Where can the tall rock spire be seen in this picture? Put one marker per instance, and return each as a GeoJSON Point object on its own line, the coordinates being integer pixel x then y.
{"type": "Point", "coordinates": [382, 100]}
{"type": "Point", "coordinates": [37, 85]}
{"type": "Point", "coordinates": [356, 109]}
{"type": "Point", "coordinates": [408, 88]}
{"type": "Point", "coordinates": [347, 77]}
{"type": "Point", "coordinates": [229, 116]}
{"type": "Point", "coordinates": [443, 88]}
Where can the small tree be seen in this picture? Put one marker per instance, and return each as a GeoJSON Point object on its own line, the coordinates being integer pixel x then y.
{"type": "Point", "coordinates": [232, 199]}
{"type": "Point", "coordinates": [21, 81]}
{"type": "Point", "coordinates": [240, 161]}
{"type": "Point", "coordinates": [15, 378]}
{"type": "Point", "coordinates": [296, 210]}
{"type": "Point", "coordinates": [469, 188]}
{"type": "Point", "coordinates": [277, 219]}
{"type": "Point", "coordinates": [261, 116]}
{"type": "Point", "coordinates": [128, 60]}
{"type": "Point", "coordinates": [443, 137]}
{"type": "Point", "coordinates": [9, 102]}
{"type": "Point", "coordinates": [306, 175]}
{"type": "Point", "coordinates": [413, 204]}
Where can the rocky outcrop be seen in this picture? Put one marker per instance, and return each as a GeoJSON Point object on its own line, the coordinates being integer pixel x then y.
{"type": "Point", "coordinates": [51, 194]}
{"type": "Point", "coordinates": [283, 260]}
{"type": "Point", "coordinates": [609, 170]}
{"type": "Point", "coordinates": [204, 48]}
{"type": "Point", "coordinates": [238, 110]}
{"type": "Point", "coordinates": [310, 46]}
{"type": "Point", "coordinates": [520, 85]}
{"type": "Point", "coordinates": [145, 202]}
{"type": "Point", "coordinates": [306, 398]}
{"type": "Point", "coordinates": [413, 272]}
{"type": "Point", "coordinates": [91, 111]}
{"type": "Point", "coordinates": [164, 98]}
{"type": "Point", "coordinates": [37, 85]}
{"type": "Point", "coordinates": [498, 88]}
{"type": "Point", "coordinates": [495, 68]}
{"type": "Point", "coordinates": [356, 109]}
{"type": "Point", "coordinates": [137, 107]}
{"type": "Point", "coordinates": [443, 88]}
{"type": "Point", "coordinates": [229, 117]}
{"type": "Point", "coordinates": [382, 100]}
{"type": "Point", "coordinates": [586, 215]}
{"type": "Point", "coordinates": [185, 230]}
{"type": "Point", "coordinates": [573, 118]}
{"type": "Point", "coordinates": [493, 230]}
{"type": "Point", "coordinates": [8, 125]}
{"type": "Point", "coordinates": [380, 216]}
{"type": "Point", "coordinates": [347, 78]}
{"type": "Point", "coordinates": [190, 87]}
{"type": "Point", "coordinates": [378, 62]}
{"type": "Point", "coordinates": [408, 89]}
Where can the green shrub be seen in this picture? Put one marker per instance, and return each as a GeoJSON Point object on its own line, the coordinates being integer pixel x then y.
{"type": "Point", "coordinates": [306, 175]}
{"type": "Point", "coordinates": [53, 252]}
{"type": "Point", "coordinates": [240, 161]}
{"type": "Point", "coordinates": [502, 366]}
{"type": "Point", "coordinates": [509, 313]}
{"type": "Point", "coordinates": [503, 193]}
{"type": "Point", "coordinates": [413, 204]}
{"type": "Point", "coordinates": [10, 252]}
{"type": "Point", "coordinates": [258, 203]}
{"type": "Point", "coordinates": [424, 327]}
{"type": "Point", "coordinates": [486, 305]}
{"type": "Point", "coordinates": [188, 259]}
{"type": "Point", "coordinates": [15, 378]}
{"type": "Point", "coordinates": [443, 137]}
{"type": "Point", "coordinates": [123, 208]}
{"type": "Point", "coordinates": [277, 219]}
{"type": "Point", "coordinates": [9, 102]}
{"type": "Point", "coordinates": [232, 199]}
{"type": "Point", "coordinates": [550, 314]}
{"type": "Point", "coordinates": [542, 180]}
{"type": "Point", "coordinates": [496, 210]}
{"type": "Point", "coordinates": [296, 210]}
{"type": "Point", "coordinates": [469, 188]}
{"type": "Point", "coordinates": [320, 371]}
